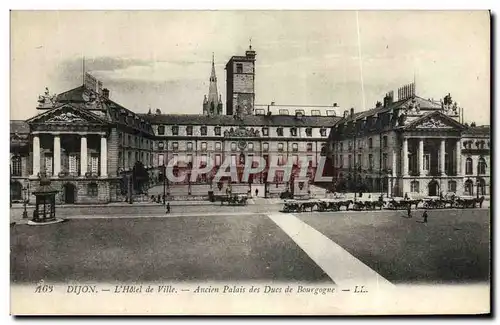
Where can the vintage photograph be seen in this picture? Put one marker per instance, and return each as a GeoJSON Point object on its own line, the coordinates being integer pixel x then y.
{"type": "Point", "coordinates": [250, 162]}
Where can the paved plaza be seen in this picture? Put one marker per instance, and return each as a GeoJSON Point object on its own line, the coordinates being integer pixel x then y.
{"type": "Point", "coordinates": [254, 242]}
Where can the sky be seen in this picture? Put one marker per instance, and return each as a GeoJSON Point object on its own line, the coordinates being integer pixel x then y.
{"type": "Point", "coordinates": [162, 59]}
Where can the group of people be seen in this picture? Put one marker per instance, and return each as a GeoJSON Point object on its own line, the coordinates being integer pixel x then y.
{"type": "Point", "coordinates": [424, 215]}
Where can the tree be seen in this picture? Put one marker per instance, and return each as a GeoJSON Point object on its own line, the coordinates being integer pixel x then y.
{"type": "Point", "coordinates": [473, 124]}
{"type": "Point", "coordinates": [140, 176]}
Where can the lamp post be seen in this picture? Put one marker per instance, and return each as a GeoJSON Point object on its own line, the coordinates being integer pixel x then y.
{"type": "Point", "coordinates": [164, 168]}
{"type": "Point", "coordinates": [25, 201]}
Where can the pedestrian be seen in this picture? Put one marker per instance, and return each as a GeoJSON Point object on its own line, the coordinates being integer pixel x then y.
{"type": "Point", "coordinates": [168, 207]}
{"type": "Point", "coordinates": [409, 210]}
{"type": "Point", "coordinates": [406, 196]}
{"type": "Point", "coordinates": [425, 216]}
{"type": "Point", "coordinates": [256, 192]}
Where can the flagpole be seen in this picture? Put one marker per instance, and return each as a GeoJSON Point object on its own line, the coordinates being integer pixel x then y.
{"type": "Point", "coordinates": [83, 70]}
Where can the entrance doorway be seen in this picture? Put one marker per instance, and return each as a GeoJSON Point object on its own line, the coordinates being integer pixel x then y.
{"type": "Point", "coordinates": [69, 193]}
{"type": "Point", "coordinates": [433, 188]}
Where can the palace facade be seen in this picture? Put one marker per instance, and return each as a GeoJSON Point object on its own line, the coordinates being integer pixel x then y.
{"type": "Point", "coordinates": [410, 146]}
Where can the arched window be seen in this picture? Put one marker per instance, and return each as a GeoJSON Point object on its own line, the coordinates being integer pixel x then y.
{"type": "Point", "coordinates": [92, 190]}
{"type": "Point", "coordinates": [452, 186]}
{"type": "Point", "coordinates": [481, 166]}
{"type": "Point", "coordinates": [468, 166]}
{"type": "Point", "coordinates": [468, 187]}
{"type": "Point", "coordinates": [481, 189]}
{"type": "Point", "coordinates": [16, 166]}
{"type": "Point", "coordinates": [16, 193]}
{"type": "Point", "coordinates": [414, 187]}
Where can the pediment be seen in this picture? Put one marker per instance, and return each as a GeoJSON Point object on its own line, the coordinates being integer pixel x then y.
{"type": "Point", "coordinates": [435, 121]}
{"type": "Point", "coordinates": [67, 114]}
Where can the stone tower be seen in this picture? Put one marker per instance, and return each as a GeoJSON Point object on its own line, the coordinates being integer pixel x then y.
{"type": "Point", "coordinates": [213, 104]}
{"type": "Point", "coordinates": [240, 84]}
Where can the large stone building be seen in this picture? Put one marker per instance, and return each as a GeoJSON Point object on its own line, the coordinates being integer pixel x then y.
{"type": "Point", "coordinates": [88, 145]}
{"type": "Point", "coordinates": [411, 146]}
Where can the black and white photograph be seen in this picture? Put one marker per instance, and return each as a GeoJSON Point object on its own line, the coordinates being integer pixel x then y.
{"type": "Point", "coordinates": [250, 162]}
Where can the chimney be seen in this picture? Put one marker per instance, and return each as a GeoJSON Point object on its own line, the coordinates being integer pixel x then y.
{"type": "Point", "coordinates": [334, 104]}
{"type": "Point", "coordinates": [105, 93]}
{"type": "Point", "coordinates": [352, 112]}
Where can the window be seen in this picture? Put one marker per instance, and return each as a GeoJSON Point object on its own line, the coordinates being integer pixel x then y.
{"type": "Point", "coordinates": [469, 187]}
{"type": "Point", "coordinates": [74, 163]}
{"type": "Point", "coordinates": [384, 141]}
{"type": "Point", "coordinates": [218, 146]}
{"type": "Point", "coordinates": [360, 160]}
{"type": "Point", "coordinates": [370, 143]}
{"type": "Point", "coordinates": [161, 161]}
{"type": "Point", "coordinates": [322, 132]}
{"type": "Point", "coordinates": [481, 166]}
{"type": "Point", "coordinates": [161, 130]}
{"type": "Point", "coordinates": [349, 160]}
{"type": "Point", "coordinates": [48, 163]}
{"type": "Point", "coordinates": [309, 132]}
{"type": "Point", "coordinates": [341, 161]}
{"type": "Point", "coordinates": [175, 146]}
{"type": "Point", "coordinates": [189, 130]}
{"type": "Point", "coordinates": [250, 146]}
{"type": "Point", "coordinates": [189, 146]}
{"type": "Point", "coordinates": [295, 159]}
{"type": "Point", "coordinates": [309, 146]}
{"type": "Point", "coordinates": [94, 163]}
{"type": "Point", "coordinates": [160, 145]}
{"type": "Point", "coordinates": [92, 190]}
{"type": "Point", "coordinates": [315, 112]}
{"type": "Point", "coordinates": [217, 160]}
{"type": "Point", "coordinates": [341, 146]}
{"type": "Point", "coordinates": [370, 161]}
{"type": "Point", "coordinates": [349, 145]}
{"type": "Point", "coordinates": [279, 131]}
{"type": "Point", "coordinates": [468, 166]}
{"type": "Point", "coordinates": [189, 159]}
{"type": "Point", "coordinates": [330, 112]}
{"type": "Point", "coordinates": [233, 146]}
{"type": "Point", "coordinates": [130, 140]}
{"type": "Point", "coordinates": [265, 131]}
{"type": "Point", "coordinates": [203, 130]}
{"type": "Point", "coordinates": [482, 187]}
{"type": "Point", "coordinates": [217, 130]}
{"type": "Point", "coordinates": [427, 161]}
{"type": "Point", "coordinates": [239, 68]}
{"type": "Point", "coordinates": [260, 111]}
{"type": "Point", "coordinates": [414, 187]}
{"type": "Point", "coordinates": [295, 147]}
{"type": "Point", "coordinates": [293, 132]}
{"type": "Point", "coordinates": [265, 146]}
{"type": "Point", "coordinates": [452, 186]}
{"type": "Point", "coordinates": [280, 146]}
{"type": "Point", "coordinates": [283, 111]}
{"type": "Point", "coordinates": [385, 161]}
{"type": "Point", "coordinates": [323, 149]}
{"type": "Point", "coordinates": [175, 130]}
{"type": "Point", "coordinates": [16, 166]}
{"type": "Point", "coordinates": [280, 160]}
{"type": "Point", "coordinates": [204, 146]}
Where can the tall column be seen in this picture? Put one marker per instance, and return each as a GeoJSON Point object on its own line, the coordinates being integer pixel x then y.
{"type": "Point", "coordinates": [421, 156]}
{"type": "Point", "coordinates": [83, 155]}
{"type": "Point", "coordinates": [442, 152]}
{"type": "Point", "coordinates": [458, 153]}
{"type": "Point", "coordinates": [104, 156]}
{"type": "Point", "coordinates": [394, 163]}
{"type": "Point", "coordinates": [57, 155]}
{"type": "Point", "coordinates": [36, 155]}
{"type": "Point", "coordinates": [404, 159]}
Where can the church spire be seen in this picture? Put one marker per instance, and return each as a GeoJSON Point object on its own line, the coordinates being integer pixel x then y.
{"type": "Point", "coordinates": [211, 105]}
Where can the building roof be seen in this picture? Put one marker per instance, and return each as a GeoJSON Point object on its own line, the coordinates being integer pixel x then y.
{"type": "Point", "coordinates": [478, 130]}
{"type": "Point", "coordinates": [247, 120]}
{"type": "Point", "coordinates": [424, 104]}
{"type": "Point", "coordinates": [19, 126]}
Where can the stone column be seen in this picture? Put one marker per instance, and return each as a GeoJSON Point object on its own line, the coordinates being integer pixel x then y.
{"type": "Point", "coordinates": [442, 152]}
{"type": "Point", "coordinates": [83, 155]}
{"type": "Point", "coordinates": [458, 154]}
{"type": "Point", "coordinates": [404, 157]}
{"type": "Point", "coordinates": [36, 155]}
{"type": "Point", "coordinates": [57, 155]}
{"type": "Point", "coordinates": [104, 156]}
{"type": "Point", "coordinates": [421, 156]}
{"type": "Point", "coordinates": [394, 163]}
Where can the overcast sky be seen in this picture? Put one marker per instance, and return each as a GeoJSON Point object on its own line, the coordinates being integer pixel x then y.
{"type": "Point", "coordinates": [161, 59]}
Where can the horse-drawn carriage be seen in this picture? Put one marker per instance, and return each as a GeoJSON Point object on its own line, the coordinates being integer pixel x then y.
{"type": "Point", "coordinates": [468, 202]}
{"type": "Point", "coordinates": [369, 204]}
{"type": "Point", "coordinates": [233, 199]}
{"type": "Point", "coordinates": [299, 205]}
